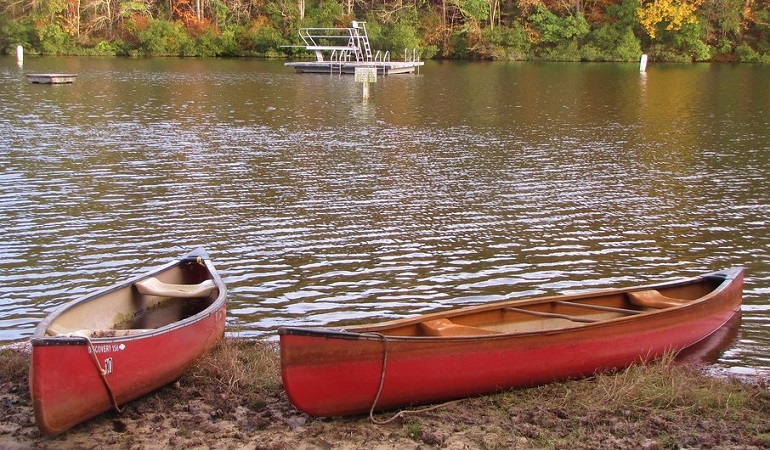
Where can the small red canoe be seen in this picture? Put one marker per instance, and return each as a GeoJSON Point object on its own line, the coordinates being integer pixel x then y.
{"type": "Point", "coordinates": [107, 348]}
{"type": "Point", "coordinates": [482, 349]}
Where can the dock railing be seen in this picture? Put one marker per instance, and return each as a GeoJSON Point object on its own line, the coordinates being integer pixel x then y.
{"type": "Point", "coordinates": [353, 40]}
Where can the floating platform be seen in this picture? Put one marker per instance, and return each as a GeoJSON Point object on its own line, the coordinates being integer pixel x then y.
{"type": "Point", "coordinates": [343, 50]}
{"type": "Point", "coordinates": [51, 78]}
{"type": "Point", "coordinates": [349, 67]}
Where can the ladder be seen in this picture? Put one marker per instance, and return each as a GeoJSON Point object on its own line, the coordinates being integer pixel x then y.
{"type": "Point", "coordinates": [362, 41]}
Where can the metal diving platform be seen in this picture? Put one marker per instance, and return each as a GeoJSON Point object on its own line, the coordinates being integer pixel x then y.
{"type": "Point", "coordinates": [342, 50]}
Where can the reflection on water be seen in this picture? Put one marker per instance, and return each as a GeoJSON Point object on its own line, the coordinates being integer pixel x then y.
{"type": "Point", "coordinates": [465, 184]}
{"type": "Point", "coordinates": [709, 350]}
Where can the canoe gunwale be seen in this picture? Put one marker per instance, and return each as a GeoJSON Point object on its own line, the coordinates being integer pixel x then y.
{"type": "Point", "coordinates": [371, 331]}
{"type": "Point", "coordinates": [40, 338]}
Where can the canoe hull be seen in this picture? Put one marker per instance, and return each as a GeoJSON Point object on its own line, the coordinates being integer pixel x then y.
{"type": "Point", "coordinates": [66, 381]}
{"type": "Point", "coordinates": [328, 373]}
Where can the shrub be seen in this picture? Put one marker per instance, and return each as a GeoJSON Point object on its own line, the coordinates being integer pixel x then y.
{"type": "Point", "coordinates": [14, 33]}
{"type": "Point", "coordinates": [205, 44]}
{"type": "Point", "coordinates": [744, 53]}
{"type": "Point", "coordinates": [683, 45]}
{"type": "Point", "coordinates": [230, 40]}
{"type": "Point", "coordinates": [54, 40]}
{"type": "Point", "coordinates": [510, 44]}
{"type": "Point", "coordinates": [106, 48]}
{"type": "Point", "coordinates": [398, 37]}
{"type": "Point", "coordinates": [457, 47]}
{"type": "Point", "coordinates": [612, 43]}
{"type": "Point", "coordinates": [568, 51]}
{"type": "Point", "coordinates": [554, 29]}
{"type": "Point", "coordinates": [264, 39]}
{"type": "Point", "coordinates": [163, 38]}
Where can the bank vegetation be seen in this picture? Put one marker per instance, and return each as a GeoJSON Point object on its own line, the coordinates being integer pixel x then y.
{"type": "Point", "coordinates": [552, 30]}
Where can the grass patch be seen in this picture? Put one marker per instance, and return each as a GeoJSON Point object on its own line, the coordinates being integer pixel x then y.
{"type": "Point", "coordinates": [235, 373]}
{"type": "Point", "coordinates": [661, 386]}
{"type": "Point", "coordinates": [237, 366]}
{"type": "Point", "coordinates": [14, 366]}
{"type": "Point", "coordinates": [673, 405]}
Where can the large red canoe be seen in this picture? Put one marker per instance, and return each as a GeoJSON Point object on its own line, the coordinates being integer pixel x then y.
{"type": "Point", "coordinates": [482, 349]}
{"type": "Point", "coordinates": [107, 348]}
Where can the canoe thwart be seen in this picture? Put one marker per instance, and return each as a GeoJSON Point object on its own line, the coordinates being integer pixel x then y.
{"type": "Point", "coordinates": [551, 315]}
{"type": "Point", "coordinates": [445, 327]}
{"type": "Point", "coordinates": [599, 307]}
{"type": "Point", "coordinates": [651, 298]}
{"type": "Point", "coordinates": [89, 333]}
{"type": "Point", "coordinates": [153, 286]}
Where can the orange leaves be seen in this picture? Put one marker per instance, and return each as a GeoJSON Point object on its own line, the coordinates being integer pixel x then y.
{"type": "Point", "coordinates": [675, 13]}
{"type": "Point", "coordinates": [191, 14]}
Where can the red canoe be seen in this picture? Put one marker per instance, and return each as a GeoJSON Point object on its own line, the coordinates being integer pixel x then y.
{"type": "Point", "coordinates": [482, 349]}
{"type": "Point", "coordinates": [107, 348]}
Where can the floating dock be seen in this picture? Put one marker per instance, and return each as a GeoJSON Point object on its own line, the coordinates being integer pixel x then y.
{"type": "Point", "coordinates": [342, 50]}
{"type": "Point", "coordinates": [51, 78]}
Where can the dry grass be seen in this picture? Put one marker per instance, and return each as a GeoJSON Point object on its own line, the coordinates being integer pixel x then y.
{"type": "Point", "coordinates": [676, 405]}
{"type": "Point", "coordinates": [660, 386]}
{"type": "Point", "coordinates": [14, 366]}
{"type": "Point", "coordinates": [238, 366]}
{"type": "Point", "coordinates": [236, 372]}
{"type": "Point", "coordinates": [668, 386]}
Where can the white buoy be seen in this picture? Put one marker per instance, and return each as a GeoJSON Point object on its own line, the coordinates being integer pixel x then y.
{"type": "Point", "coordinates": [643, 63]}
{"type": "Point", "coordinates": [20, 55]}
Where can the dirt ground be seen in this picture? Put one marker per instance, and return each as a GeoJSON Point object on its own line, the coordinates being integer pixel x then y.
{"type": "Point", "coordinates": [197, 414]}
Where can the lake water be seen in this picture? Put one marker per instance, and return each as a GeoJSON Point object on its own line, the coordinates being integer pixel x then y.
{"type": "Point", "coordinates": [467, 183]}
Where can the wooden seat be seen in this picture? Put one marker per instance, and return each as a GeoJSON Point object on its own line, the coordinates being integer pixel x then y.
{"type": "Point", "coordinates": [653, 299]}
{"type": "Point", "coordinates": [153, 286]}
{"type": "Point", "coordinates": [445, 327]}
{"type": "Point", "coordinates": [55, 330]}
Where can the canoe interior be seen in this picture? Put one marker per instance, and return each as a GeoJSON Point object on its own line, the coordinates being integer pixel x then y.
{"type": "Point", "coordinates": [124, 311]}
{"type": "Point", "coordinates": [548, 313]}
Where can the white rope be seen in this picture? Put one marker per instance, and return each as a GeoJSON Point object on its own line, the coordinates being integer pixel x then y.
{"type": "Point", "coordinates": [103, 373]}
{"type": "Point", "coordinates": [401, 413]}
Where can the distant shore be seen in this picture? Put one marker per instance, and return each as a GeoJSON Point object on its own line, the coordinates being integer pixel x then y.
{"type": "Point", "coordinates": [232, 398]}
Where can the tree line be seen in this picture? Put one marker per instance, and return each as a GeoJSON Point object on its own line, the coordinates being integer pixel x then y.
{"type": "Point", "coordinates": [546, 30]}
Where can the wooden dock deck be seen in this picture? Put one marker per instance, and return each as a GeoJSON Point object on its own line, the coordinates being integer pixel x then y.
{"type": "Point", "coordinates": [51, 78]}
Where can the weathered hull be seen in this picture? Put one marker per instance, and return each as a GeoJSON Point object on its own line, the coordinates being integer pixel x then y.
{"type": "Point", "coordinates": [66, 381]}
{"type": "Point", "coordinates": [330, 372]}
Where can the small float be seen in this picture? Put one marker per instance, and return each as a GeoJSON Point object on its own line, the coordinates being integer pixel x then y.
{"type": "Point", "coordinates": [51, 78]}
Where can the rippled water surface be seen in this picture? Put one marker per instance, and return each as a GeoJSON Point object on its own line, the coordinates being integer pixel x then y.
{"type": "Point", "coordinates": [461, 185]}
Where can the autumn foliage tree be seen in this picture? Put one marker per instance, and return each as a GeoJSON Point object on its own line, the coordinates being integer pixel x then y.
{"type": "Point", "coordinates": [565, 30]}
{"type": "Point", "coordinates": [671, 14]}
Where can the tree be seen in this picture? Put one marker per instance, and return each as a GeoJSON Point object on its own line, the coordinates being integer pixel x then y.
{"type": "Point", "coordinates": [473, 10]}
{"type": "Point", "coordinates": [674, 14]}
